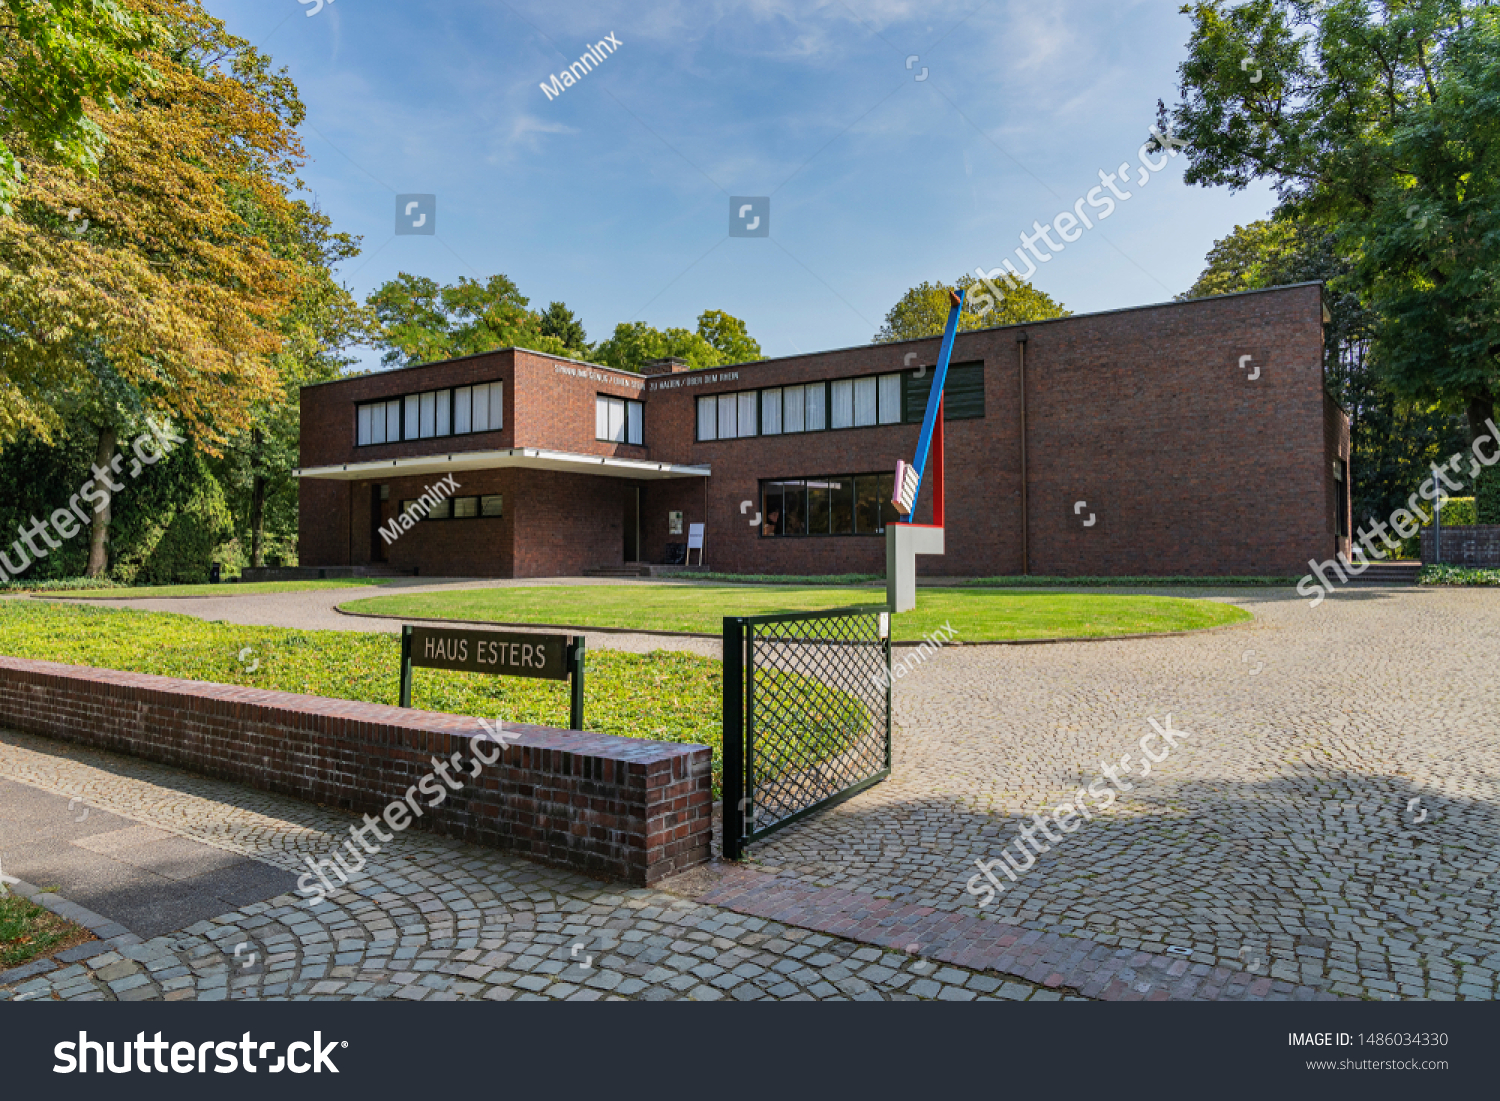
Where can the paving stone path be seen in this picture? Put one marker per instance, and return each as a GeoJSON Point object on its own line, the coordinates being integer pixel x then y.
{"type": "Point", "coordinates": [1332, 821]}
{"type": "Point", "coordinates": [430, 919]}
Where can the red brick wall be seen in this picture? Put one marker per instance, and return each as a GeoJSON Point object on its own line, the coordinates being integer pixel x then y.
{"type": "Point", "coordinates": [609, 806]}
{"type": "Point", "coordinates": [1144, 414]}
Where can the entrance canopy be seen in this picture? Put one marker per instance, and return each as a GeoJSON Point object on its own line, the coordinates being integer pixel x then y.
{"type": "Point", "coordinates": [525, 457]}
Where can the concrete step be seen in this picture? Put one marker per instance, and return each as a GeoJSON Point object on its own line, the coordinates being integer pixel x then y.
{"type": "Point", "coordinates": [630, 569]}
{"type": "Point", "coordinates": [1389, 573]}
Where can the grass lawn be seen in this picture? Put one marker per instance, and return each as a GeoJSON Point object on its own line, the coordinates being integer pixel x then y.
{"type": "Point", "coordinates": [235, 589]}
{"type": "Point", "coordinates": [976, 614]}
{"type": "Point", "coordinates": [28, 931]}
{"type": "Point", "coordinates": [669, 697]}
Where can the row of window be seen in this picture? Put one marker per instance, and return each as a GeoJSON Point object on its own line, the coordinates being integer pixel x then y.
{"type": "Point", "coordinates": [834, 504]}
{"type": "Point", "coordinates": [459, 508]}
{"type": "Point", "coordinates": [618, 420]}
{"type": "Point", "coordinates": [842, 403]}
{"type": "Point", "coordinates": [455, 412]}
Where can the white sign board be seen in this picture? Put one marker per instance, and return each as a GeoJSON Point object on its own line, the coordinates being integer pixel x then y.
{"type": "Point", "coordinates": [695, 537]}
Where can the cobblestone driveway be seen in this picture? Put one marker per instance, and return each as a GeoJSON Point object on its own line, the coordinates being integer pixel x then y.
{"type": "Point", "coordinates": [1283, 829]}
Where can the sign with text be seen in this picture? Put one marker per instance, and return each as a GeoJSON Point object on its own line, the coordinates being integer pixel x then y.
{"type": "Point", "coordinates": [511, 655]}
{"type": "Point", "coordinates": [499, 653]}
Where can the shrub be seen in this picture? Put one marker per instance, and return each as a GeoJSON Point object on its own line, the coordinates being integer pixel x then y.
{"type": "Point", "coordinates": [1457, 575]}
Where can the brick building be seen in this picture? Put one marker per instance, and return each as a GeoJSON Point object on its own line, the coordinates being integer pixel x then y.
{"type": "Point", "coordinates": [1186, 438]}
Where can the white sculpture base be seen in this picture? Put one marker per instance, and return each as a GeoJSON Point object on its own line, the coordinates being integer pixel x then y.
{"type": "Point", "coordinates": [903, 542]}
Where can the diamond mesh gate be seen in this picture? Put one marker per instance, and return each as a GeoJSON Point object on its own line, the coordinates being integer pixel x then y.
{"type": "Point", "coordinates": [807, 715]}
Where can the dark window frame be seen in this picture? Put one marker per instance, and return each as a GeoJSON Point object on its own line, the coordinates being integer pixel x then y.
{"type": "Point", "coordinates": [452, 432]}
{"type": "Point", "coordinates": [887, 510]}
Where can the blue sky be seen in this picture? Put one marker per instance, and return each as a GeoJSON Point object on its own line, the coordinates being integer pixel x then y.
{"type": "Point", "coordinates": [615, 196]}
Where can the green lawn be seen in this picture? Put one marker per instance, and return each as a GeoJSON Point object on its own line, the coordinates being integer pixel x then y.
{"type": "Point", "coordinates": [669, 697]}
{"type": "Point", "coordinates": [28, 931]}
{"type": "Point", "coordinates": [234, 589]}
{"type": "Point", "coordinates": [976, 614]}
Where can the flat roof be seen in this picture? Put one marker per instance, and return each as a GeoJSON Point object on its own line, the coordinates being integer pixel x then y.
{"type": "Point", "coordinates": [826, 351]}
{"type": "Point", "coordinates": [533, 458]}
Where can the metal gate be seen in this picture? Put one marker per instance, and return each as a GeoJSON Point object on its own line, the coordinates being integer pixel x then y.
{"type": "Point", "coordinates": [807, 715]}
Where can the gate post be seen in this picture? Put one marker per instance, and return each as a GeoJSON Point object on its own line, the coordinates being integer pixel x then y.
{"type": "Point", "coordinates": [734, 736]}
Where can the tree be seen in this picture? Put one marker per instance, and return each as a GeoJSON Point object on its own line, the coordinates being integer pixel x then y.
{"type": "Point", "coordinates": [728, 335]}
{"type": "Point", "coordinates": [55, 57]}
{"type": "Point", "coordinates": [560, 322]}
{"type": "Point", "coordinates": [421, 322]}
{"type": "Point", "coordinates": [1392, 439]}
{"type": "Point", "coordinates": [1378, 121]}
{"type": "Point", "coordinates": [923, 310]}
{"type": "Point", "coordinates": [159, 263]}
{"type": "Point", "coordinates": [635, 342]}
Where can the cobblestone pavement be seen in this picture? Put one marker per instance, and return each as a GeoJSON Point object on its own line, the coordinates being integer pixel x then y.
{"type": "Point", "coordinates": [1332, 820]}
{"type": "Point", "coordinates": [436, 920]}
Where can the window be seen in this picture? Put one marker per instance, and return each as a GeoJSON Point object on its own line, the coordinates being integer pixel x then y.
{"type": "Point", "coordinates": [379, 423]}
{"type": "Point", "coordinates": [728, 420]}
{"type": "Point", "coordinates": [436, 413]}
{"type": "Point", "coordinates": [747, 413]}
{"type": "Point", "coordinates": [465, 508]}
{"type": "Point", "coordinates": [963, 393]}
{"type": "Point", "coordinates": [708, 418]}
{"type": "Point", "coordinates": [493, 505]}
{"type": "Point", "coordinates": [836, 504]}
{"type": "Point", "coordinates": [791, 404]}
{"type": "Point", "coordinates": [841, 397]}
{"type": "Point", "coordinates": [770, 412]}
{"type": "Point", "coordinates": [617, 420]}
{"type": "Point", "coordinates": [890, 399]}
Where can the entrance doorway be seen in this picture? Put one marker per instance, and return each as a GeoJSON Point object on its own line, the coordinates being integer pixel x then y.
{"type": "Point", "coordinates": [377, 544]}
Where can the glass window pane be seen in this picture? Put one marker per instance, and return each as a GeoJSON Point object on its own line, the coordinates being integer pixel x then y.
{"type": "Point", "coordinates": [770, 509]}
{"type": "Point", "coordinates": [465, 507]}
{"type": "Point", "coordinates": [747, 413]}
{"type": "Point", "coordinates": [378, 433]}
{"type": "Point", "coordinates": [888, 511]}
{"type": "Point", "coordinates": [864, 402]}
{"type": "Point", "coordinates": [708, 419]}
{"type": "Point", "coordinates": [463, 398]}
{"type": "Point", "coordinates": [843, 403]}
{"type": "Point", "coordinates": [479, 419]}
{"type": "Point", "coordinates": [866, 504]}
{"type": "Point", "coordinates": [363, 414]}
{"type": "Point", "coordinates": [493, 505]}
{"type": "Point", "coordinates": [442, 510]}
{"type": "Point", "coordinates": [728, 423]}
{"type": "Point", "coordinates": [817, 395]}
{"type": "Point", "coordinates": [411, 416]}
{"type": "Point", "coordinates": [393, 421]}
{"type": "Point", "coordinates": [841, 504]}
{"type": "Point", "coordinates": [819, 500]}
{"type": "Point", "coordinates": [497, 406]}
{"type": "Point", "coordinates": [616, 420]}
{"type": "Point", "coordinates": [444, 406]}
{"type": "Point", "coordinates": [635, 411]}
{"type": "Point", "coordinates": [429, 414]}
{"type": "Point", "coordinates": [794, 504]}
{"type": "Point", "coordinates": [890, 399]}
{"type": "Point", "coordinates": [601, 418]}
{"type": "Point", "coordinates": [770, 412]}
{"type": "Point", "coordinates": [791, 401]}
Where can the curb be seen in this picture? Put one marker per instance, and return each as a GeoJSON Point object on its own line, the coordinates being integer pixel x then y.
{"type": "Point", "coordinates": [112, 935]}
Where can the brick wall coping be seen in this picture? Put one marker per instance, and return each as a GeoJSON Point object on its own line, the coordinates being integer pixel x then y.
{"type": "Point", "coordinates": [293, 709]}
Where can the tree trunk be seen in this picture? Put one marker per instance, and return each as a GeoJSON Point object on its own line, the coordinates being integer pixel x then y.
{"type": "Point", "coordinates": [1481, 407]}
{"type": "Point", "coordinates": [99, 532]}
{"type": "Point", "coordinates": [257, 500]}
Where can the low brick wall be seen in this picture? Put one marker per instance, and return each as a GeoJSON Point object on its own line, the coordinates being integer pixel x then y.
{"type": "Point", "coordinates": [609, 806]}
{"type": "Point", "coordinates": [1465, 545]}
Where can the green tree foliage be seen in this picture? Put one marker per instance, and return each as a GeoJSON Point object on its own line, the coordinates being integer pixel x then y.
{"type": "Point", "coordinates": [560, 322]}
{"type": "Point", "coordinates": [635, 342]}
{"type": "Point", "coordinates": [1393, 439]}
{"type": "Point", "coordinates": [1377, 120]}
{"type": "Point", "coordinates": [421, 322]}
{"type": "Point", "coordinates": [728, 335]}
{"type": "Point", "coordinates": [55, 57]}
{"type": "Point", "coordinates": [923, 310]}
